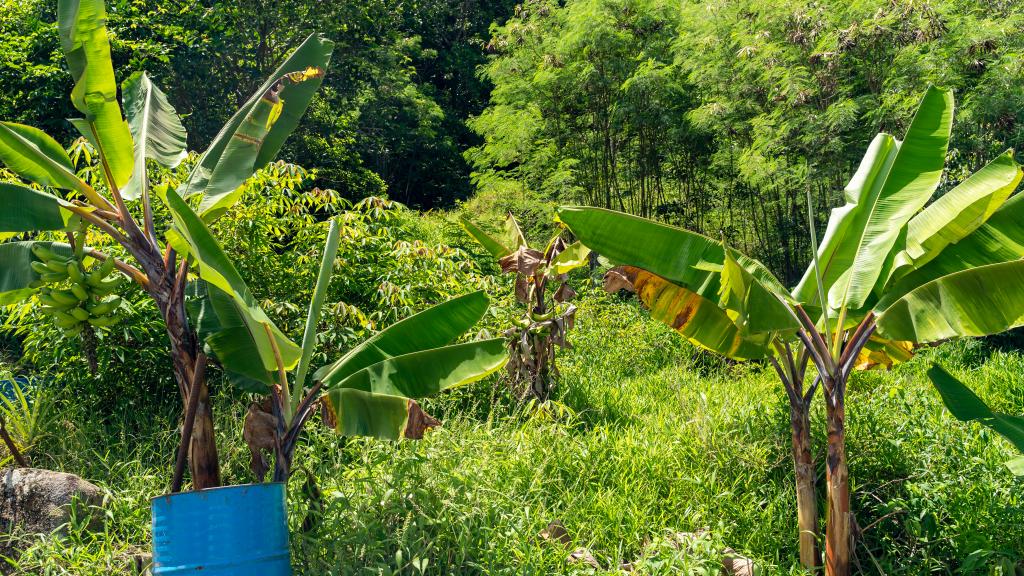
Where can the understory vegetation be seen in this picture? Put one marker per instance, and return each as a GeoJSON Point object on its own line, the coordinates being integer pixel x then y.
{"type": "Point", "coordinates": [610, 399]}
{"type": "Point", "coordinates": [655, 437]}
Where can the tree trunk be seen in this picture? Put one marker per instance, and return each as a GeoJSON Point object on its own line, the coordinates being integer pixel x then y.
{"type": "Point", "coordinates": [838, 525]}
{"type": "Point", "coordinates": [203, 462]}
{"type": "Point", "coordinates": [806, 495]}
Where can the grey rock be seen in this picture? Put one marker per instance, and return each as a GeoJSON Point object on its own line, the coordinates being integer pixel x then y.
{"type": "Point", "coordinates": [40, 501]}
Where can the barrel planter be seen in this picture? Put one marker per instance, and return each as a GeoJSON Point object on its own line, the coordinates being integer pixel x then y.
{"type": "Point", "coordinates": [229, 531]}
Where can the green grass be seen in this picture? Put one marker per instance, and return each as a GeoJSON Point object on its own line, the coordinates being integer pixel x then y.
{"type": "Point", "coordinates": [655, 436]}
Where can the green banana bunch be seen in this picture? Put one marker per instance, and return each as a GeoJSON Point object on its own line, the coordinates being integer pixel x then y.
{"type": "Point", "coordinates": [81, 298]}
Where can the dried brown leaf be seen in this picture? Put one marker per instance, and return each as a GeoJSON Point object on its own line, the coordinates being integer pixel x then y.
{"type": "Point", "coordinates": [616, 279]}
{"type": "Point", "coordinates": [419, 421]}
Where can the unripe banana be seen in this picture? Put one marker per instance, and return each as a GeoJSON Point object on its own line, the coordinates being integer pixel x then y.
{"type": "Point", "coordinates": [50, 277]}
{"type": "Point", "coordinates": [42, 252]}
{"type": "Point", "coordinates": [107, 286]}
{"type": "Point", "coordinates": [58, 265]}
{"type": "Point", "coordinates": [36, 284]}
{"type": "Point", "coordinates": [48, 300]}
{"type": "Point", "coordinates": [80, 314]}
{"type": "Point", "coordinates": [106, 268]}
{"type": "Point", "coordinates": [74, 330]}
{"type": "Point", "coordinates": [64, 298]}
{"type": "Point", "coordinates": [105, 307]}
{"type": "Point", "coordinates": [39, 268]}
{"type": "Point", "coordinates": [64, 320]}
{"type": "Point", "coordinates": [104, 321]}
{"type": "Point", "coordinates": [74, 272]}
{"type": "Point", "coordinates": [80, 292]}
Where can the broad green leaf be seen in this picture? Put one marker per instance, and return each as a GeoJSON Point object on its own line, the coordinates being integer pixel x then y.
{"type": "Point", "coordinates": [965, 406]}
{"type": "Point", "coordinates": [698, 319]}
{"type": "Point", "coordinates": [975, 302]}
{"type": "Point", "coordinates": [686, 259]}
{"type": "Point", "coordinates": [23, 209]}
{"type": "Point", "coordinates": [958, 212]}
{"type": "Point", "coordinates": [190, 236]}
{"type": "Point", "coordinates": [432, 328]}
{"type": "Point", "coordinates": [494, 246]}
{"type": "Point", "coordinates": [221, 326]}
{"type": "Point", "coordinates": [296, 91]}
{"type": "Point", "coordinates": [893, 182]}
{"type": "Point", "coordinates": [359, 413]}
{"type": "Point", "coordinates": [33, 155]}
{"type": "Point", "coordinates": [427, 372]}
{"type": "Point", "coordinates": [999, 239]}
{"type": "Point", "coordinates": [236, 164]}
{"type": "Point", "coordinates": [323, 279]}
{"type": "Point", "coordinates": [15, 271]}
{"type": "Point", "coordinates": [83, 37]}
{"type": "Point", "coordinates": [574, 256]}
{"type": "Point", "coordinates": [155, 127]}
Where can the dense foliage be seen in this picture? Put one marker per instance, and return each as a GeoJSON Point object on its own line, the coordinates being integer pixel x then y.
{"type": "Point", "coordinates": [389, 118]}
{"type": "Point", "coordinates": [720, 115]}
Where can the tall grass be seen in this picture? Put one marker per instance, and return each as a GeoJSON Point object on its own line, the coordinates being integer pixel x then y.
{"type": "Point", "coordinates": [652, 436]}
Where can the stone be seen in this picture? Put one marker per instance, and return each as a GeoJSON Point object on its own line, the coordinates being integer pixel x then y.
{"type": "Point", "coordinates": [40, 501]}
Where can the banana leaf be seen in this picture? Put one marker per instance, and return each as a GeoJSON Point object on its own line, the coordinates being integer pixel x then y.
{"type": "Point", "coordinates": [685, 259]}
{"type": "Point", "coordinates": [427, 372]}
{"type": "Point", "coordinates": [27, 210]}
{"type": "Point", "coordinates": [83, 37]}
{"type": "Point", "coordinates": [965, 406]}
{"type": "Point", "coordinates": [958, 213]}
{"type": "Point", "coordinates": [191, 237]}
{"type": "Point", "coordinates": [33, 155]}
{"type": "Point", "coordinates": [313, 53]}
{"type": "Point", "coordinates": [975, 302]}
{"type": "Point", "coordinates": [434, 327]}
{"type": "Point", "coordinates": [894, 181]}
{"type": "Point", "coordinates": [155, 127]}
{"type": "Point", "coordinates": [358, 413]}
{"type": "Point", "coordinates": [698, 319]}
{"type": "Point", "coordinates": [15, 271]}
{"type": "Point", "coordinates": [1000, 239]}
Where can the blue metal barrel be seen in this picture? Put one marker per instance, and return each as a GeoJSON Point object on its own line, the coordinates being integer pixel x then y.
{"type": "Point", "coordinates": [230, 531]}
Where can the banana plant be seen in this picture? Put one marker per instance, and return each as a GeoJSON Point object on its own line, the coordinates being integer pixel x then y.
{"type": "Point", "coordinates": [893, 271]}
{"type": "Point", "coordinates": [370, 391]}
{"type": "Point", "coordinates": [542, 287]}
{"type": "Point", "coordinates": [127, 135]}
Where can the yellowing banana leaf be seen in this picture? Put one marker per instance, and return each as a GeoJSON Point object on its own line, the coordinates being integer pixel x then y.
{"type": "Point", "coordinates": [83, 37]}
{"type": "Point", "coordinates": [686, 259]}
{"type": "Point", "coordinates": [298, 78]}
{"type": "Point", "coordinates": [893, 182]}
{"type": "Point", "coordinates": [958, 212]}
{"type": "Point", "coordinates": [237, 163]}
{"type": "Point", "coordinates": [15, 271]}
{"type": "Point", "coordinates": [975, 302]}
{"type": "Point", "coordinates": [698, 319]}
{"type": "Point", "coordinates": [23, 209]}
{"type": "Point", "coordinates": [965, 406]}
{"type": "Point", "coordinates": [574, 256]}
{"type": "Point", "coordinates": [999, 239]}
{"type": "Point", "coordinates": [358, 413]}
{"type": "Point", "coordinates": [427, 372]}
{"type": "Point", "coordinates": [434, 327]}
{"type": "Point", "coordinates": [33, 155]}
{"type": "Point", "coordinates": [191, 237]}
{"type": "Point", "coordinates": [155, 127]}
{"type": "Point", "coordinates": [882, 353]}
